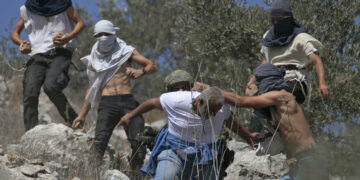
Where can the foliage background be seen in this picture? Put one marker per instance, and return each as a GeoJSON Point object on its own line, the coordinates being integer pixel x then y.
{"type": "Point", "coordinates": [218, 42]}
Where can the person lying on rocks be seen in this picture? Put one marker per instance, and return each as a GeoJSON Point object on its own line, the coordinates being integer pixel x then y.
{"type": "Point", "coordinates": [52, 43]}
{"type": "Point", "coordinates": [305, 162]}
{"type": "Point", "coordinates": [189, 145]}
{"type": "Point", "coordinates": [109, 71]}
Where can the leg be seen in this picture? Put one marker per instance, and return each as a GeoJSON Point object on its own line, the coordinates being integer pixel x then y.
{"type": "Point", "coordinates": [33, 79]}
{"type": "Point", "coordinates": [169, 166]}
{"type": "Point", "coordinates": [108, 116]}
{"type": "Point", "coordinates": [56, 80]}
{"type": "Point", "coordinates": [208, 172]}
{"type": "Point", "coordinates": [299, 90]}
{"type": "Point", "coordinates": [138, 149]}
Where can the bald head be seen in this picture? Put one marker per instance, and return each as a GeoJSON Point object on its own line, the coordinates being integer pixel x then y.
{"type": "Point", "coordinates": [210, 102]}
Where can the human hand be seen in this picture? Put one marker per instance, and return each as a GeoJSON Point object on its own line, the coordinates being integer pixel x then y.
{"type": "Point", "coordinates": [78, 123]}
{"type": "Point", "coordinates": [61, 39]}
{"type": "Point", "coordinates": [255, 137]}
{"type": "Point", "coordinates": [198, 86]}
{"type": "Point", "coordinates": [125, 120]}
{"type": "Point", "coordinates": [134, 73]}
{"type": "Point", "coordinates": [251, 90]}
{"type": "Point", "coordinates": [324, 91]}
{"type": "Point", "coordinates": [25, 47]}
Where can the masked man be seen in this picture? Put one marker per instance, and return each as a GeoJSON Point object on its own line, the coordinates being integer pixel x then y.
{"type": "Point", "coordinates": [286, 44]}
{"type": "Point", "coordinates": [109, 70]}
{"type": "Point", "coordinates": [288, 120]}
{"type": "Point", "coordinates": [51, 35]}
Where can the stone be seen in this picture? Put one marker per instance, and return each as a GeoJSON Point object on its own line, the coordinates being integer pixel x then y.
{"type": "Point", "coordinates": [36, 161]}
{"type": "Point", "coordinates": [60, 144]}
{"type": "Point", "coordinates": [247, 165]}
{"type": "Point", "coordinates": [114, 174]}
{"type": "Point", "coordinates": [57, 167]}
{"type": "Point", "coordinates": [32, 170]}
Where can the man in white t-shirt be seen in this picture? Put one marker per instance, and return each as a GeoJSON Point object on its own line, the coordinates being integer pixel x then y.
{"type": "Point", "coordinates": [191, 139]}
{"type": "Point", "coordinates": [51, 35]}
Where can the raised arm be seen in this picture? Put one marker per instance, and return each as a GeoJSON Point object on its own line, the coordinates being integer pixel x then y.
{"type": "Point", "coordinates": [142, 108]}
{"type": "Point", "coordinates": [233, 124]}
{"type": "Point", "coordinates": [320, 72]}
{"type": "Point", "coordinates": [148, 66]}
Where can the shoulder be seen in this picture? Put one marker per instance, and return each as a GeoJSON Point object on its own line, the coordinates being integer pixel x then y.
{"type": "Point", "coordinates": [178, 98]}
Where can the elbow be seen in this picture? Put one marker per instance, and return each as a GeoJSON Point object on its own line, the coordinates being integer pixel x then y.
{"type": "Point", "coordinates": [153, 68]}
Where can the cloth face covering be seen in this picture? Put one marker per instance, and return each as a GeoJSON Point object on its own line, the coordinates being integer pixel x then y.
{"type": "Point", "coordinates": [47, 8]}
{"type": "Point", "coordinates": [284, 31]}
{"type": "Point", "coordinates": [270, 77]}
{"type": "Point", "coordinates": [106, 43]}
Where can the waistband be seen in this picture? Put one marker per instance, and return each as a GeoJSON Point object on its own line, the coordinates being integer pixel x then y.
{"type": "Point", "coordinates": [117, 97]}
{"type": "Point", "coordinates": [55, 51]}
{"type": "Point", "coordinates": [289, 67]}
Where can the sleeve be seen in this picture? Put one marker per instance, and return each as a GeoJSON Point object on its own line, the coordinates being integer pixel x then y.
{"type": "Point", "coordinates": [164, 100]}
{"type": "Point", "coordinates": [23, 13]}
{"type": "Point", "coordinates": [309, 48]}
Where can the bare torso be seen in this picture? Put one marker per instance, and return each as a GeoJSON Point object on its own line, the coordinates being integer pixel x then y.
{"type": "Point", "coordinates": [119, 84]}
{"type": "Point", "coordinates": [294, 129]}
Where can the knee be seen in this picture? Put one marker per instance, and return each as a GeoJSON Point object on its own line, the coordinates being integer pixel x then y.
{"type": "Point", "coordinates": [50, 88]}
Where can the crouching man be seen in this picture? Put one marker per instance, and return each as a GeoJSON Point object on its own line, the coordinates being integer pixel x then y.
{"type": "Point", "coordinates": [189, 146]}
{"type": "Point", "coordinates": [275, 95]}
{"type": "Point", "coordinates": [109, 71]}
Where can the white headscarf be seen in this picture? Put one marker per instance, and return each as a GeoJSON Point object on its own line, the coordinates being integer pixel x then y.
{"type": "Point", "coordinates": [101, 66]}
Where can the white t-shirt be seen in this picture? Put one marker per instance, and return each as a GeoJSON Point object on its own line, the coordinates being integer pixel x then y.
{"type": "Point", "coordinates": [184, 124]}
{"type": "Point", "coordinates": [41, 31]}
{"type": "Point", "coordinates": [295, 53]}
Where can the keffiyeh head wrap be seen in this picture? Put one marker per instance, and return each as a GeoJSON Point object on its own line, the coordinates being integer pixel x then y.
{"type": "Point", "coordinates": [282, 32]}
{"type": "Point", "coordinates": [47, 8]}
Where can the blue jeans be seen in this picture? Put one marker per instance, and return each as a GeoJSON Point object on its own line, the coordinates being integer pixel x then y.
{"type": "Point", "coordinates": [312, 167]}
{"type": "Point", "coordinates": [171, 166]}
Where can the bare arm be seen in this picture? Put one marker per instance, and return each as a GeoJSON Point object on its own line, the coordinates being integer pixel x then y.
{"type": "Point", "coordinates": [264, 100]}
{"type": "Point", "coordinates": [79, 26]}
{"type": "Point", "coordinates": [149, 66]}
{"type": "Point", "coordinates": [15, 37]}
{"type": "Point", "coordinates": [237, 128]}
{"type": "Point", "coordinates": [79, 121]}
{"type": "Point", "coordinates": [320, 72]}
{"type": "Point", "coordinates": [142, 108]}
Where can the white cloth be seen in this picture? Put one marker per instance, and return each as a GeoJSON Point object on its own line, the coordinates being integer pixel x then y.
{"type": "Point", "coordinates": [106, 27]}
{"type": "Point", "coordinates": [41, 31]}
{"type": "Point", "coordinates": [295, 53]}
{"type": "Point", "coordinates": [183, 123]}
{"type": "Point", "coordinates": [102, 67]}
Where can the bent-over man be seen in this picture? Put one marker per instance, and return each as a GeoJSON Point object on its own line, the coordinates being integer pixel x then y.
{"type": "Point", "coordinates": [189, 146]}
{"type": "Point", "coordinates": [109, 70]}
{"type": "Point", "coordinates": [51, 35]}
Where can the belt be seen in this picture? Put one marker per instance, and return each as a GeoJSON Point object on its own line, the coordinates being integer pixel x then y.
{"type": "Point", "coordinates": [289, 67]}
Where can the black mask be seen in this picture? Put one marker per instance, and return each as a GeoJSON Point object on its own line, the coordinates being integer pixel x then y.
{"type": "Point", "coordinates": [285, 27]}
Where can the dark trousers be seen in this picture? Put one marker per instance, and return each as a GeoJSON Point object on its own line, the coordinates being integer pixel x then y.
{"type": "Point", "coordinates": [111, 109]}
{"type": "Point", "coordinates": [48, 70]}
